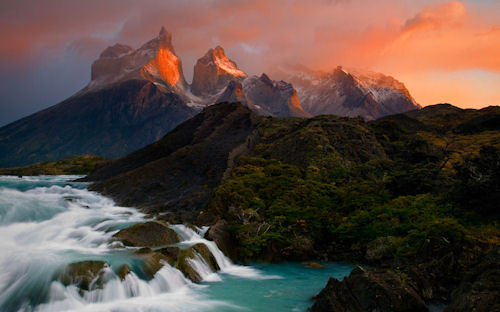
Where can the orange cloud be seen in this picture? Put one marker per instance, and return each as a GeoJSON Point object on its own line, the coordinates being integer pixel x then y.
{"type": "Point", "coordinates": [435, 17]}
{"type": "Point", "coordinates": [405, 38]}
{"type": "Point", "coordinates": [444, 37]}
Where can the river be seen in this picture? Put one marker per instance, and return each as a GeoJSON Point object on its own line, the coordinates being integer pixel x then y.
{"type": "Point", "coordinates": [48, 222]}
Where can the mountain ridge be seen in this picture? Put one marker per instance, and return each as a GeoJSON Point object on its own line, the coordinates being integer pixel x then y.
{"type": "Point", "coordinates": [348, 92]}
{"type": "Point", "coordinates": [136, 96]}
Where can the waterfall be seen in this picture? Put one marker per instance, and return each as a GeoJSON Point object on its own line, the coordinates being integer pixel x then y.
{"type": "Point", "coordinates": [194, 236]}
{"type": "Point", "coordinates": [47, 223]}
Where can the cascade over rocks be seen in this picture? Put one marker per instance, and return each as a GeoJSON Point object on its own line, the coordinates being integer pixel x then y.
{"type": "Point", "coordinates": [86, 275]}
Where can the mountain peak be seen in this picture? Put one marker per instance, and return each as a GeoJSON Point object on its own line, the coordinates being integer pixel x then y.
{"type": "Point", "coordinates": [219, 49]}
{"type": "Point", "coordinates": [213, 71]}
{"type": "Point", "coordinates": [348, 91]}
{"type": "Point", "coordinates": [154, 61]}
{"type": "Point", "coordinates": [163, 66]}
{"type": "Point", "coordinates": [165, 39]}
{"type": "Point", "coordinates": [163, 32]}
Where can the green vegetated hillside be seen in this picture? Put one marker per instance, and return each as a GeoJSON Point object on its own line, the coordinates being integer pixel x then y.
{"type": "Point", "coordinates": [408, 186]}
{"type": "Point", "coordinates": [82, 164]}
{"type": "Point", "coordinates": [415, 195]}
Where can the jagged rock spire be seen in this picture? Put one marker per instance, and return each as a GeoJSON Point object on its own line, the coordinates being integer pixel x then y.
{"type": "Point", "coordinates": [165, 39]}
{"type": "Point", "coordinates": [213, 71]}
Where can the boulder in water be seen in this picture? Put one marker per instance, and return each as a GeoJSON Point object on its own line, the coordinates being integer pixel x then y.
{"type": "Point", "coordinates": [153, 260]}
{"type": "Point", "coordinates": [87, 275]}
{"type": "Point", "coordinates": [185, 267]}
{"type": "Point", "coordinates": [148, 234]}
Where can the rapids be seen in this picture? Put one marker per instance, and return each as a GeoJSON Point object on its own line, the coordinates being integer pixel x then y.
{"type": "Point", "coordinates": [48, 222]}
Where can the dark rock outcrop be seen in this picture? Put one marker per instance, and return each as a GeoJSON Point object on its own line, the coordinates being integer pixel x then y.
{"type": "Point", "coordinates": [368, 291]}
{"type": "Point", "coordinates": [221, 235]}
{"type": "Point", "coordinates": [178, 173]}
{"type": "Point", "coordinates": [479, 289]}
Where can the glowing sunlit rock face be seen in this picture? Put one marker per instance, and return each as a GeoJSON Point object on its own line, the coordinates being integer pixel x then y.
{"type": "Point", "coordinates": [164, 67]}
{"type": "Point", "coordinates": [213, 72]}
{"type": "Point", "coordinates": [154, 61]}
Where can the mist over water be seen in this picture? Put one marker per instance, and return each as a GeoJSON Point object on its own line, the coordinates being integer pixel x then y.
{"type": "Point", "coordinates": [47, 223]}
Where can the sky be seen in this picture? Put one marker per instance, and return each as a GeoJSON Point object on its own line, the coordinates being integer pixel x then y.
{"type": "Point", "coordinates": [444, 51]}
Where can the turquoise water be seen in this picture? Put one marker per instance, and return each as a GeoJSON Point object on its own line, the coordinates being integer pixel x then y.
{"type": "Point", "coordinates": [291, 292]}
{"type": "Point", "coordinates": [48, 222]}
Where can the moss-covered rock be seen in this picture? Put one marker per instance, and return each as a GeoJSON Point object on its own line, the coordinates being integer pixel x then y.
{"type": "Point", "coordinates": [86, 275]}
{"type": "Point", "coordinates": [150, 234]}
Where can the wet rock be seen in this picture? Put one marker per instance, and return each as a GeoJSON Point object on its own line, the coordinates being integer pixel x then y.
{"type": "Point", "coordinates": [86, 275]}
{"type": "Point", "coordinates": [171, 252]}
{"type": "Point", "coordinates": [123, 271]}
{"type": "Point", "coordinates": [185, 267]}
{"type": "Point", "coordinates": [150, 234]}
{"type": "Point", "coordinates": [361, 291]}
{"type": "Point", "coordinates": [153, 260]}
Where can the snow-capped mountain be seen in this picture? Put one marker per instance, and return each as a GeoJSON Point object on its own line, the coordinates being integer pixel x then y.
{"type": "Point", "coordinates": [349, 92]}
{"type": "Point", "coordinates": [136, 96]}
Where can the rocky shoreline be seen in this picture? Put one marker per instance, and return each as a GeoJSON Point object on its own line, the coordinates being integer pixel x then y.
{"type": "Point", "coordinates": [447, 282]}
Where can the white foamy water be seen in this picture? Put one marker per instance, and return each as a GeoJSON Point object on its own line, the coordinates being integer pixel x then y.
{"type": "Point", "coordinates": [47, 223]}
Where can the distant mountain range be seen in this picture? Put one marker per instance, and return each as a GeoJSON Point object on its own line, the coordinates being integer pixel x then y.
{"type": "Point", "coordinates": [136, 96]}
